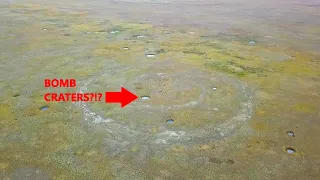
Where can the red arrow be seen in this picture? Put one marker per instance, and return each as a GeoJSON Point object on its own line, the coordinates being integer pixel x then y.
{"type": "Point", "coordinates": [124, 97]}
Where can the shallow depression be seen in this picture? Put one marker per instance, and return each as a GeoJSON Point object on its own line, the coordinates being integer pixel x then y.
{"type": "Point", "coordinates": [44, 108]}
{"type": "Point", "coordinates": [145, 97]}
{"type": "Point", "coordinates": [170, 121]}
{"type": "Point", "coordinates": [290, 150]}
{"type": "Point", "coordinates": [150, 55]}
{"type": "Point", "coordinates": [291, 133]}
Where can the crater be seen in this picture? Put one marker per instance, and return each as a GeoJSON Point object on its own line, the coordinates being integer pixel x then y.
{"type": "Point", "coordinates": [291, 133]}
{"type": "Point", "coordinates": [290, 150]}
{"type": "Point", "coordinates": [252, 42]}
{"type": "Point", "coordinates": [145, 97]}
{"type": "Point", "coordinates": [44, 108]}
{"type": "Point", "coordinates": [150, 55]}
{"type": "Point", "coordinates": [170, 121]}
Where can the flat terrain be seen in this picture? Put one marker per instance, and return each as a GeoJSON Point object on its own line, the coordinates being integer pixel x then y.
{"type": "Point", "coordinates": [227, 89]}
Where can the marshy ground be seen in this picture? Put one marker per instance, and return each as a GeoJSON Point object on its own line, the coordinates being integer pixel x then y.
{"type": "Point", "coordinates": [227, 90]}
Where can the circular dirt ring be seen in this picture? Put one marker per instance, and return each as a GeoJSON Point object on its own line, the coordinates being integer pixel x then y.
{"type": "Point", "coordinates": [176, 91]}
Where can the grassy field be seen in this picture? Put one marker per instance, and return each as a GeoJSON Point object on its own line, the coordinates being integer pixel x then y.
{"type": "Point", "coordinates": [233, 96]}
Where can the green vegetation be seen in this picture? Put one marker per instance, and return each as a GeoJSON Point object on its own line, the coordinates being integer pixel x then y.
{"type": "Point", "coordinates": [62, 143]}
{"type": "Point", "coordinates": [234, 68]}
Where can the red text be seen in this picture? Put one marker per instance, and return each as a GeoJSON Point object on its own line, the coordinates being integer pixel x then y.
{"type": "Point", "coordinates": [72, 97]}
{"type": "Point", "coordinates": [60, 83]}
